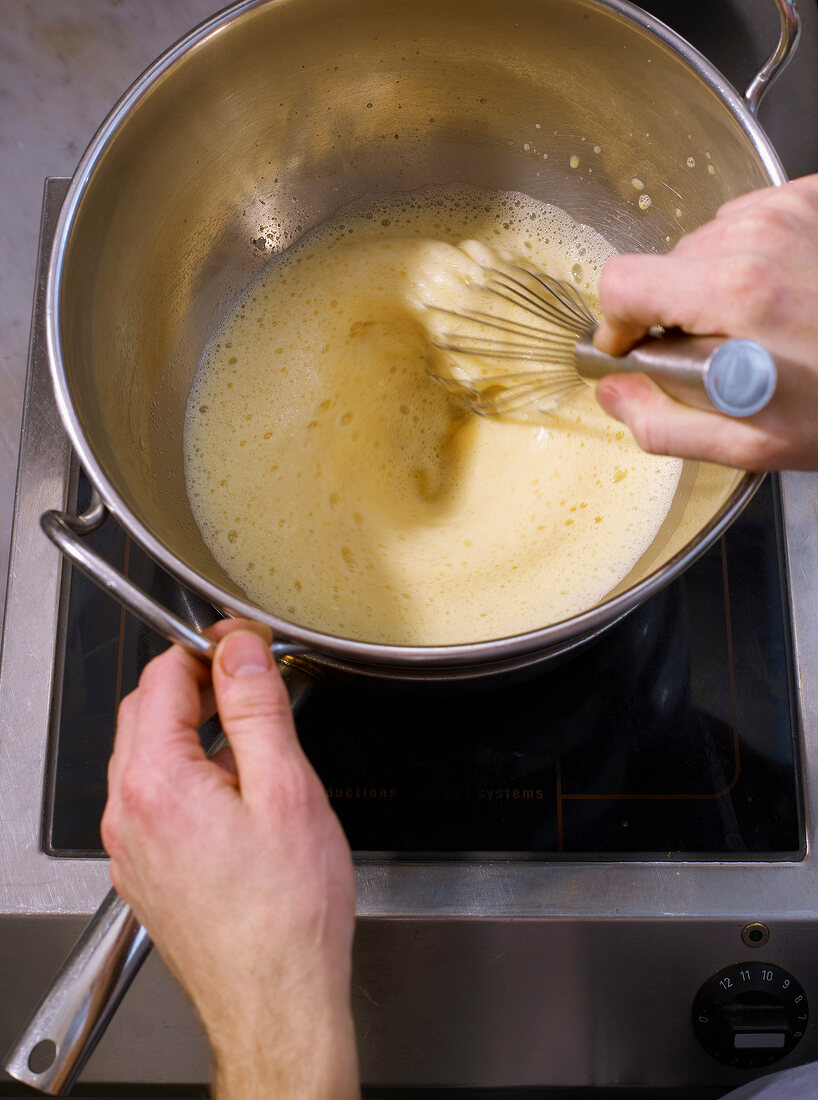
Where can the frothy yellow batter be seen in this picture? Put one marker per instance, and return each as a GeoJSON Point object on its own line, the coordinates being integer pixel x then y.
{"type": "Point", "coordinates": [345, 490]}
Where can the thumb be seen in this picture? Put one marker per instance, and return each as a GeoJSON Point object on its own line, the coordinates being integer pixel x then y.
{"type": "Point", "coordinates": [254, 709]}
{"type": "Point", "coordinates": [663, 426]}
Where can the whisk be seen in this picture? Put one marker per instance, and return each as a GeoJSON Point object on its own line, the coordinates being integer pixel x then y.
{"type": "Point", "coordinates": [550, 325]}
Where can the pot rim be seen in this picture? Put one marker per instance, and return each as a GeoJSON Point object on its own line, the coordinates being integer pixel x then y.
{"type": "Point", "coordinates": [548, 638]}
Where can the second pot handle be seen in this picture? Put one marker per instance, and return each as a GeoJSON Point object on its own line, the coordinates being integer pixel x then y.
{"type": "Point", "coordinates": [779, 58]}
{"type": "Point", "coordinates": [67, 531]}
{"type": "Point", "coordinates": [78, 1005]}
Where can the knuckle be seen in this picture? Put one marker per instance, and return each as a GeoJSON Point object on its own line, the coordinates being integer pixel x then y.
{"type": "Point", "coordinates": [615, 280]}
{"type": "Point", "coordinates": [754, 296]}
{"type": "Point", "coordinates": [149, 677]}
{"type": "Point", "coordinates": [130, 790]}
{"type": "Point", "coordinates": [138, 798]}
{"type": "Point", "coordinates": [808, 203]}
{"type": "Point", "coordinates": [647, 419]}
{"type": "Point", "coordinates": [109, 831]}
{"type": "Point", "coordinates": [648, 432]}
{"type": "Point", "coordinates": [168, 664]}
{"type": "Point", "coordinates": [756, 452]}
{"type": "Point", "coordinates": [727, 207]}
{"type": "Point", "coordinates": [297, 789]}
{"type": "Point", "coordinates": [127, 707]}
{"type": "Point", "coordinates": [256, 703]}
{"type": "Point", "coordinates": [760, 225]}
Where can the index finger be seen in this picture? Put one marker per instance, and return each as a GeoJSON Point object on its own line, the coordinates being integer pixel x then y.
{"type": "Point", "coordinates": [639, 291]}
{"type": "Point", "coordinates": [170, 707]}
{"type": "Point", "coordinates": [128, 719]}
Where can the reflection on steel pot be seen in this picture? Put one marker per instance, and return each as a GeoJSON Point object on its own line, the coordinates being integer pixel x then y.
{"type": "Point", "coordinates": [269, 118]}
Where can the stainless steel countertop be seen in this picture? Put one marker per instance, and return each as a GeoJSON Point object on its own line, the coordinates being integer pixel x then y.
{"type": "Point", "coordinates": [62, 66]}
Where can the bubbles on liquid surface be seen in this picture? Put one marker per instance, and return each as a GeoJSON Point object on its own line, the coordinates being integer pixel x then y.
{"type": "Point", "coordinates": [341, 488]}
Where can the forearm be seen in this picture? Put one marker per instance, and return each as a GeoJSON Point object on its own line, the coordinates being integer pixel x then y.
{"type": "Point", "coordinates": [305, 1066]}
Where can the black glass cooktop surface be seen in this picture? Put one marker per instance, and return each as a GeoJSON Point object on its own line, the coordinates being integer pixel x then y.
{"type": "Point", "coordinates": [672, 735]}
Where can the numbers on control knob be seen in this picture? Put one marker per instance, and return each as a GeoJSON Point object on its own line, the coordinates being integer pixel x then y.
{"type": "Point", "coordinates": [750, 1014]}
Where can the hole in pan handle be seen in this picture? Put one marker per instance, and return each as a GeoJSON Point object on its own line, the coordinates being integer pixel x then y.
{"type": "Point", "coordinates": [79, 1004]}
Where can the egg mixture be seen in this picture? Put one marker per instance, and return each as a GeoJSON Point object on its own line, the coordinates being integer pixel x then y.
{"type": "Point", "coordinates": [344, 489]}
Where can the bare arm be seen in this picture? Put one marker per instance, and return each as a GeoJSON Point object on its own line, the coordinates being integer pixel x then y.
{"type": "Point", "coordinates": [751, 272]}
{"type": "Point", "coordinates": [239, 869]}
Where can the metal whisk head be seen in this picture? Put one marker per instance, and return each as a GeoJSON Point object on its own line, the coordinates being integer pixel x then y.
{"type": "Point", "coordinates": [546, 320]}
{"type": "Point", "coordinates": [548, 324]}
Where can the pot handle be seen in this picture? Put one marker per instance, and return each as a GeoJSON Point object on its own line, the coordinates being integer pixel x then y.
{"type": "Point", "coordinates": [779, 58]}
{"type": "Point", "coordinates": [75, 1010]}
{"type": "Point", "coordinates": [67, 532]}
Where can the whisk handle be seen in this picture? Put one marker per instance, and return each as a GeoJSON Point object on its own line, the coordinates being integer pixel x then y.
{"type": "Point", "coordinates": [737, 377]}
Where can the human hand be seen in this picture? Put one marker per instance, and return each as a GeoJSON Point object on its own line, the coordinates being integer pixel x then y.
{"type": "Point", "coordinates": [238, 868]}
{"type": "Point", "coordinates": [751, 272]}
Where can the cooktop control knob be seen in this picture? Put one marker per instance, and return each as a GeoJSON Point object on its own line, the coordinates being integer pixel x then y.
{"type": "Point", "coordinates": [750, 1014]}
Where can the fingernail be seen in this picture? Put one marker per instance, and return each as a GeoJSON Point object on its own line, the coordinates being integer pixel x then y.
{"type": "Point", "coordinates": [609, 398]}
{"type": "Point", "coordinates": [245, 654]}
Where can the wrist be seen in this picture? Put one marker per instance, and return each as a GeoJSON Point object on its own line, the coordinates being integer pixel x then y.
{"type": "Point", "coordinates": [306, 1058]}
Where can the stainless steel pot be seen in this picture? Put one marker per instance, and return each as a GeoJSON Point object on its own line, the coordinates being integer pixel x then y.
{"type": "Point", "coordinates": [259, 125]}
{"type": "Point", "coordinates": [274, 114]}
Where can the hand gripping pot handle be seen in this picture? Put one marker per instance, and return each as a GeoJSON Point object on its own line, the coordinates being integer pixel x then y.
{"type": "Point", "coordinates": [76, 1009]}
{"type": "Point", "coordinates": [74, 1012]}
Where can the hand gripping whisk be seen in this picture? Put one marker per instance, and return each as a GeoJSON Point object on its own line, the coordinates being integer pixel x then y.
{"type": "Point", "coordinates": [547, 323]}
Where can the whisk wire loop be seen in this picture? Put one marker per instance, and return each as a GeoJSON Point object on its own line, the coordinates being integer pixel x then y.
{"type": "Point", "coordinates": [500, 395]}
{"type": "Point", "coordinates": [570, 305]}
{"type": "Point", "coordinates": [505, 324]}
{"type": "Point", "coordinates": [499, 349]}
{"type": "Point", "coordinates": [561, 318]}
